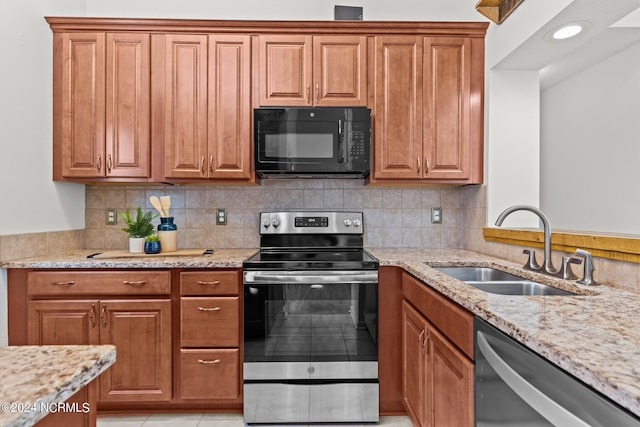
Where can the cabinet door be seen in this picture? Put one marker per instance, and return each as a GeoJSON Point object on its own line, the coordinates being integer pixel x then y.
{"type": "Point", "coordinates": [128, 75]}
{"type": "Point", "coordinates": [447, 80]}
{"type": "Point", "coordinates": [413, 363]}
{"type": "Point", "coordinates": [63, 322]}
{"type": "Point", "coordinates": [185, 112]}
{"type": "Point", "coordinates": [229, 107]}
{"type": "Point", "coordinates": [398, 108]}
{"type": "Point", "coordinates": [82, 117]}
{"type": "Point", "coordinates": [141, 332]}
{"type": "Point", "coordinates": [285, 69]}
{"type": "Point", "coordinates": [340, 70]}
{"type": "Point", "coordinates": [450, 394]}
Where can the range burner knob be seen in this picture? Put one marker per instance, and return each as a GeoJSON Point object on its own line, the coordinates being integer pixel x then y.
{"type": "Point", "coordinates": [356, 223]}
{"type": "Point", "coordinates": [275, 222]}
{"type": "Point", "coordinates": [266, 223]}
{"type": "Point", "coordinates": [347, 222]}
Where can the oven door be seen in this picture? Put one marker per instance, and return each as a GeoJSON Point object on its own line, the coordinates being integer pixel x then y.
{"type": "Point", "coordinates": [310, 325]}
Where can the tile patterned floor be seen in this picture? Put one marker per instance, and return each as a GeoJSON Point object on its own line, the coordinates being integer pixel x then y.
{"type": "Point", "coordinates": [212, 420]}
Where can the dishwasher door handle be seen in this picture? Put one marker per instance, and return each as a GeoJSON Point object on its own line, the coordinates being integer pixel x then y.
{"type": "Point", "coordinates": [543, 404]}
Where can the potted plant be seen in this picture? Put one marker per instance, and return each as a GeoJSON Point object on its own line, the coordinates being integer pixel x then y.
{"type": "Point", "coordinates": [152, 244]}
{"type": "Point", "coordinates": [137, 228]}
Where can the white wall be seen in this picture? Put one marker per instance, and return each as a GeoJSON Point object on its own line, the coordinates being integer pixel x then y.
{"type": "Point", "coordinates": [590, 150]}
{"type": "Point", "coordinates": [419, 10]}
{"type": "Point", "coordinates": [31, 202]}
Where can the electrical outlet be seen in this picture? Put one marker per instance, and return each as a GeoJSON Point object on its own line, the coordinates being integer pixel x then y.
{"type": "Point", "coordinates": [436, 215]}
{"type": "Point", "coordinates": [221, 217]}
{"type": "Point", "coordinates": [112, 216]}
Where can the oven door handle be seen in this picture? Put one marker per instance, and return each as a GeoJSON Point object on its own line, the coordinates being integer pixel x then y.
{"type": "Point", "coordinates": [540, 402]}
{"type": "Point", "coordinates": [316, 277]}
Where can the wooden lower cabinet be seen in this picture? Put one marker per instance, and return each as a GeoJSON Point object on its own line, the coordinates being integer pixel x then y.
{"type": "Point", "coordinates": [209, 373]}
{"type": "Point", "coordinates": [437, 375]}
{"type": "Point", "coordinates": [139, 328]}
{"type": "Point", "coordinates": [210, 336]}
{"type": "Point", "coordinates": [85, 400]}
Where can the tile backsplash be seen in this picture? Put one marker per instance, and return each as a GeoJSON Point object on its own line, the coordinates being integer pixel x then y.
{"type": "Point", "coordinates": [394, 217]}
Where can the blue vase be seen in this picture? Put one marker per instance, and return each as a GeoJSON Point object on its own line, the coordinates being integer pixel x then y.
{"type": "Point", "coordinates": [152, 247]}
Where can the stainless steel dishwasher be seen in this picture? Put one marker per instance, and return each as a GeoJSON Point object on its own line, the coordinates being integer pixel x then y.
{"type": "Point", "coordinates": [516, 387]}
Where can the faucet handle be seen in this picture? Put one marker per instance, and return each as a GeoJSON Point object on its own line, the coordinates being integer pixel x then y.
{"type": "Point", "coordinates": [566, 272]}
{"type": "Point", "coordinates": [589, 268]}
{"type": "Point", "coordinates": [531, 262]}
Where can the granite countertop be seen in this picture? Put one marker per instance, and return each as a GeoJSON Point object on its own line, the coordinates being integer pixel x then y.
{"type": "Point", "coordinates": [595, 336]}
{"type": "Point", "coordinates": [220, 258]}
{"type": "Point", "coordinates": [33, 377]}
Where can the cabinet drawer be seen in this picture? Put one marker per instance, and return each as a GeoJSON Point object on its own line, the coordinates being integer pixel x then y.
{"type": "Point", "coordinates": [452, 320]}
{"type": "Point", "coordinates": [210, 283]}
{"type": "Point", "coordinates": [209, 322]}
{"type": "Point", "coordinates": [138, 282]}
{"type": "Point", "coordinates": [210, 374]}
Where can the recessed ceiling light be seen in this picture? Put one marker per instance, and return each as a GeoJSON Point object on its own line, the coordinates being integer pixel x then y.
{"type": "Point", "coordinates": [567, 31]}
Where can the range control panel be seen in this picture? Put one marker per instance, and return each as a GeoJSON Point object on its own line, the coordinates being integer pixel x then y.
{"type": "Point", "coordinates": [311, 223]}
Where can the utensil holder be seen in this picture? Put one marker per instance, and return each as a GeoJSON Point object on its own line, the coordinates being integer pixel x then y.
{"type": "Point", "coordinates": [168, 234]}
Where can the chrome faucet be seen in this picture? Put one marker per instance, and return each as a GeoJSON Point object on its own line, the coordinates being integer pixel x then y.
{"type": "Point", "coordinates": [548, 265]}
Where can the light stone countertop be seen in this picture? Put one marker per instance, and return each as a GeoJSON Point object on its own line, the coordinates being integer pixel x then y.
{"type": "Point", "coordinates": [595, 336]}
{"type": "Point", "coordinates": [34, 377]}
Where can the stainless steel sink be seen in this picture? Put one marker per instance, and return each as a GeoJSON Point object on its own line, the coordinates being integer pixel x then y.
{"type": "Point", "coordinates": [499, 282]}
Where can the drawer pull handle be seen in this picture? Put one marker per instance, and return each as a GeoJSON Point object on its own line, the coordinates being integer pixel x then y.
{"type": "Point", "coordinates": [209, 309]}
{"type": "Point", "coordinates": [69, 283]}
{"type": "Point", "coordinates": [209, 362]}
{"type": "Point", "coordinates": [202, 282]}
{"type": "Point", "coordinates": [135, 283]}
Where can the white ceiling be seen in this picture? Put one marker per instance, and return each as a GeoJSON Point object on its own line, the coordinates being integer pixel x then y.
{"type": "Point", "coordinates": [613, 26]}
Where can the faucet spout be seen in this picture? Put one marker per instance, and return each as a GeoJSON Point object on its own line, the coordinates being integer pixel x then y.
{"type": "Point", "coordinates": [548, 265]}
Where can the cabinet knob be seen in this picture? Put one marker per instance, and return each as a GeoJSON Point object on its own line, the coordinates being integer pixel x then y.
{"type": "Point", "coordinates": [92, 315]}
{"type": "Point", "coordinates": [418, 165]}
{"type": "Point", "coordinates": [99, 165]}
{"type": "Point", "coordinates": [109, 163]}
{"type": "Point", "coordinates": [202, 165]}
{"type": "Point", "coordinates": [211, 166]}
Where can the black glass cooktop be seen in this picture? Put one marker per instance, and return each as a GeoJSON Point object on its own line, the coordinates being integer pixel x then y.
{"type": "Point", "coordinates": [300, 259]}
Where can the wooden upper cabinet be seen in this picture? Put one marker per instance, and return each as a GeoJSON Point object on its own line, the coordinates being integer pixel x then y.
{"type": "Point", "coordinates": [185, 106]}
{"type": "Point", "coordinates": [286, 70]}
{"type": "Point", "coordinates": [447, 71]}
{"type": "Point", "coordinates": [428, 112]}
{"type": "Point", "coordinates": [313, 70]}
{"type": "Point", "coordinates": [398, 108]}
{"type": "Point", "coordinates": [102, 105]}
{"type": "Point", "coordinates": [128, 105]}
{"type": "Point", "coordinates": [230, 137]}
{"type": "Point", "coordinates": [207, 106]}
{"type": "Point", "coordinates": [79, 125]}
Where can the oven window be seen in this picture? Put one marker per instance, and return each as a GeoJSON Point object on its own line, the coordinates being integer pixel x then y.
{"type": "Point", "coordinates": [311, 322]}
{"type": "Point", "coordinates": [299, 145]}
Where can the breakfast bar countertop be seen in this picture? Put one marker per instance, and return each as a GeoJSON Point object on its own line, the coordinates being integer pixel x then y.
{"type": "Point", "coordinates": [37, 378]}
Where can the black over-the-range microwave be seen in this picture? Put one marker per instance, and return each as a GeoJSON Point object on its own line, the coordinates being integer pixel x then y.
{"type": "Point", "coordinates": [323, 142]}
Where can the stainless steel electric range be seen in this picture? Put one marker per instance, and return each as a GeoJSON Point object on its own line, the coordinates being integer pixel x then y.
{"type": "Point", "coordinates": [311, 321]}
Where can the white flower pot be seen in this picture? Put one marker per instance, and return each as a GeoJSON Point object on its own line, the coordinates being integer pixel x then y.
{"type": "Point", "coordinates": [136, 245]}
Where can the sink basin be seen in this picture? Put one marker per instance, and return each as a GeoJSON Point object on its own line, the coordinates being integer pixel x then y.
{"type": "Point", "coordinates": [499, 282]}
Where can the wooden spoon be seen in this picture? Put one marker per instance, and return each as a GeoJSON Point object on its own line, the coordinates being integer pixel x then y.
{"type": "Point", "coordinates": [155, 202]}
{"type": "Point", "coordinates": [165, 202]}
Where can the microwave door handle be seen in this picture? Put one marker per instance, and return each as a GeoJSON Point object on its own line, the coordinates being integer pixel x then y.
{"type": "Point", "coordinates": [340, 142]}
{"type": "Point", "coordinates": [540, 402]}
